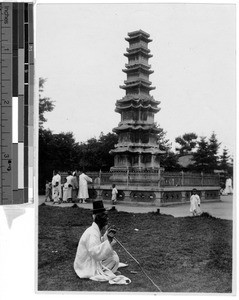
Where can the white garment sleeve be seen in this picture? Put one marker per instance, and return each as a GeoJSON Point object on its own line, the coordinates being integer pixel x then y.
{"type": "Point", "coordinates": [88, 178]}
{"type": "Point", "coordinates": [199, 201]}
{"type": "Point", "coordinates": [98, 250]}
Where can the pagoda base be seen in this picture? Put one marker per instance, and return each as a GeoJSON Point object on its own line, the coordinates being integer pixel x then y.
{"type": "Point", "coordinates": [148, 193]}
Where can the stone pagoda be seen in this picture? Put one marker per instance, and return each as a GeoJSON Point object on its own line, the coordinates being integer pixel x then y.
{"type": "Point", "coordinates": [136, 170]}
{"type": "Point", "coordinates": [137, 149]}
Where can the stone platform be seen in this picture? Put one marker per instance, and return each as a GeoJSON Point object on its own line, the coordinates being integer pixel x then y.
{"type": "Point", "coordinates": [153, 195]}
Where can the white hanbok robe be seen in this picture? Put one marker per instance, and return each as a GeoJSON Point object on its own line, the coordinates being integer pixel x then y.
{"type": "Point", "coordinates": [194, 204]}
{"type": "Point", "coordinates": [65, 191]}
{"type": "Point", "coordinates": [228, 189]}
{"type": "Point", "coordinates": [114, 194]}
{"type": "Point", "coordinates": [69, 181]}
{"type": "Point", "coordinates": [56, 190]}
{"type": "Point", "coordinates": [95, 257]}
{"type": "Point", "coordinates": [83, 187]}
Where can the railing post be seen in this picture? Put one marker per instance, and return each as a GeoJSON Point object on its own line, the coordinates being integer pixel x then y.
{"type": "Point", "coordinates": [159, 175]}
{"type": "Point", "coordinates": [127, 176]}
{"type": "Point", "coordinates": [182, 178]}
{"type": "Point", "coordinates": [100, 177]}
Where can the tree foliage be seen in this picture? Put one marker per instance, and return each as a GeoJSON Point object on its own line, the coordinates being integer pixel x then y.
{"type": "Point", "coordinates": [226, 162]}
{"type": "Point", "coordinates": [213, 147]}
{"type": "Point", "coordinates": [200, 157]}
{"type": "Point", "coordinates": [169, 161]}
{"type": "Point", "coordinates": [187, 143]}
{"type": "Point", "coordinates": [45, 104]}
{"type": "Point", "coordinates": [206, 156]}
{"type": "Point", "coordinates": [94, 153]}
{"type": "Point", "coordinates": [62, 152]}
{"type": "Point", "coordinates": [163, 142]}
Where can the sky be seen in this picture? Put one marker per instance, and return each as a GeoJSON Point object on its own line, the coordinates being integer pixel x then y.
{"type": "Point", "coordinates": [80, 50]}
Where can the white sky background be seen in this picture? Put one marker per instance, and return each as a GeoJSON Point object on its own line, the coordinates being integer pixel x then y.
{"type": "Point", "coordinates": [80, 51]}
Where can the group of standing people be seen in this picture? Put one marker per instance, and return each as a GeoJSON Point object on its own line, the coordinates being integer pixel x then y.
{"type": "Point", "coordinates": [74, 189]}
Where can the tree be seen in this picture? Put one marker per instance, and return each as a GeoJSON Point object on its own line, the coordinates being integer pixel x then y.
{"type": "Point", "coordinates": [213, 148]}
{"type": "Point", "coordinates": [226, 163]}
{"type": "Point", "coordinates": [45, 164]}
{"type": "Point", "coordinates": [206, 156]}
{"type": "Point", "coordinates": [45, 139]}
{"type": "Point", "coordinates": [94, 154]}
{"type": "Point", "coordinates": [200, 157]}
{"type": "Point", "coordinates": [56, 151]}
{"type": "Point", "coordinates": [107, 143]}
{"type": "Point", "coordinates": [224, 160]}
{"type": "Point", "coordinates": [163, 142]}
{"type": "Point", "coordinates": [45, 104]}
{"type": "Point", "coordinates": [187, 142]}
{"type": "Point", "coordinates": [169, 161]}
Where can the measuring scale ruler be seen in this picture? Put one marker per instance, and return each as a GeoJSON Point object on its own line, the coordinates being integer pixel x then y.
{"type": "Point", "coordinates": [16, 102]}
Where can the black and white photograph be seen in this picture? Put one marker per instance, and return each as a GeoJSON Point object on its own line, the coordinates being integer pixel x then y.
{"type": "Point", "coordinates": [127, 148]}
{"type": "Point", "coordinates": [137, 122]}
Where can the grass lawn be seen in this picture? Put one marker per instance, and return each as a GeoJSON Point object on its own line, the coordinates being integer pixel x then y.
{"type": "Point", "coordinates": [189, 255]}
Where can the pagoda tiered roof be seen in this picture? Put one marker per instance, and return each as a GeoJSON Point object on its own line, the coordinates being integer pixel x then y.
{"type": "Point", "coordinates": [140, 150]}
{"type": "Point", "coordinates": [137, 80]}
{"type": "Point", "coordinates": [137, 63]}
{"type": "Point", "coordinates": [140, 31]}
{"type": "Point", "coordinates": [138, 34]}
{"type": "Point", "coordinates": [137, 83]}
{"type": "Point", "coordinates": [138, 98]}
{"type": "Point", "coordinates": [136, 145]}
{"type": "Point", "coordinates": [148, 107]}
{"type": "Point", "coordinates": [138, 47]}
{"type": "Point", "coordinates": [138, 67]}
{"type": "Point", "coordinates": [138, 50]}
{"type": "Point", "coordinates": [129, 127]}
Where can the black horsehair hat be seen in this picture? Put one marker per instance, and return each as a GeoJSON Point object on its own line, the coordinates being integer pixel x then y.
{"type": "Point", "coordinates": [98, 207]}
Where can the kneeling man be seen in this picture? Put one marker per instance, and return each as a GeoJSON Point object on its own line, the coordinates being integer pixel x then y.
{"type": "Point", "coordinates": [95, 257]}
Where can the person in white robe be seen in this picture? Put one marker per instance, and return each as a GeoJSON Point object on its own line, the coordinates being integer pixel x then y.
{"type": "Point", "coordinates": [56, 187]}
{"type": "Point", "coordinates": [95, 258]}
{"type": "Point", "coordinates": [75, 186]}
{"type": "Point", "coordinates": [65, 191]}
{"type": "Point", "coordinates": [228, 188]}
{"type": "Point", "coordinates": [69, 182]}
{"type": "Point", "coordinates": [195, 203]}
{"type": "Point", "coordinates": [83, 187]}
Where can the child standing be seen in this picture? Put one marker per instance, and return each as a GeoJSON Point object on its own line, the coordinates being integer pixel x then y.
{"type": "Point", "coordinates": [48, 191]}
{"type": "Point", "coordinates": [195, 203]}
{"type": "Point", "coordinates": [114, 195]}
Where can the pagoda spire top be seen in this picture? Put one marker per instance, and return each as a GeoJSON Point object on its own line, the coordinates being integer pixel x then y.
{"type": "Point", "coordinates": [138, 34]}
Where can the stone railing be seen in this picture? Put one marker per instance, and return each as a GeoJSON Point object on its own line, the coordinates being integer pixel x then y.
{"type": "Point", "coordinates": [152, 186]}
{"type": "Point", "coordinates": [189, 179]}
{"type": "Point", "coordinates": [163, 179]}
{"type": "Point", "coordinates": [152, 178]}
